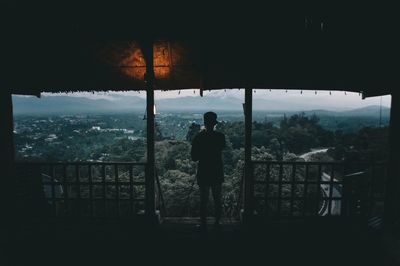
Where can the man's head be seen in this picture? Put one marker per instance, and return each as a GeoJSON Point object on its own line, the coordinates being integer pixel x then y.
{"type": "Point", "coordinates": [210, 120]}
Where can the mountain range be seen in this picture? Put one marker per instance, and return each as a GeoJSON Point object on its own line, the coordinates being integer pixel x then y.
{"type": "Point", "coordinates": [123, 103]}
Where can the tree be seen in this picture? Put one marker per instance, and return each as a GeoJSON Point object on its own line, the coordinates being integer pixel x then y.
{"type": "Point", "coordinates": [158, 133]}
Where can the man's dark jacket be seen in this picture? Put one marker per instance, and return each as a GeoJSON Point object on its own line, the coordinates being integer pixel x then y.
{"type": "Point", "coordinates": [207, 149]}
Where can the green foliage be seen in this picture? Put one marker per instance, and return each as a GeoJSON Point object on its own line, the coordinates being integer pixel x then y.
{"type": "Point", "coordinates": [77, 141]}
{"type": "Point", "coordinates": [368, 144]}
{"type": "Point", "coordinates": [297, 134]}
{"type": "Point", "coordinates": [126, 150]}
{"type": "Point", "coordinates": [179, 191]}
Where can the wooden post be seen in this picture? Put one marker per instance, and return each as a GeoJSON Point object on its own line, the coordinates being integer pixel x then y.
{"type": "Point", "coordinates": [150, 166]}
{"type": "Point", "coordinates": [248, 171]}
{"type": "Point", "coordinates": [392, 206]}
{"type": "Point", "coordinates": [8, 188]}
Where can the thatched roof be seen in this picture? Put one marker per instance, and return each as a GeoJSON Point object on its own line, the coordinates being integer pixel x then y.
{"type": "Point", "coordinates": [72, 50]}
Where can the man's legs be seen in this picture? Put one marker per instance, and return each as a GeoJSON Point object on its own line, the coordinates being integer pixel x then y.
{"type": "Point", "coordinates": [216, 192]}
{"type": "Point", "coordinates": [204, 193]}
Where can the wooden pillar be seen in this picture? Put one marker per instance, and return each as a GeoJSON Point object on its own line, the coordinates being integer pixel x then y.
{"type": "Point", "coordinates": [8, 188]}
{"type": "Point", "coordinates": [248, 171]}
{"type": "Point", "coordinates": [150, 166]}
{"type": "Point", "coordinates": [392, 204]}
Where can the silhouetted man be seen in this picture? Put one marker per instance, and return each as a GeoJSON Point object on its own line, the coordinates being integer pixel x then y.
{"type": "Point", "coordinates": [207, 148]}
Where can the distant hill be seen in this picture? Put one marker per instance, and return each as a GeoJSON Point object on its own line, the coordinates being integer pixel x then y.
{"type": "Point", "coordinates": [200, 103]}
{"type": "Point", "coordinates": [371, 111]}
{"type": "Point", "coordinates": [118, 103]}
{"type": "Point", "coordinates": [68, 104]}
{"type": "Point", "coordinates": [122, 103]}
{"type": "Point", "coordinates": [278, 105]}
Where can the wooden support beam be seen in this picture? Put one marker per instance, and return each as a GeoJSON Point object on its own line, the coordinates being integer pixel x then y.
{"type": "Point", "coordinates": [150, 210]}
{"type": "Point", "coordinates": [7, 127]}
{"type": "Point", "coordinates": [248, 171]}
{"type": "Point", "coordinates": [8, 188]}
{"type": "Point", "coordinates": [392, 200]}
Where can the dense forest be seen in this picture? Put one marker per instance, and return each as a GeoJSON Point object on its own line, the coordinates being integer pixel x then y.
{"type": "Point", "coordinates": [295, 135]}
{"type": "Point", "coordinates": [122, 138]}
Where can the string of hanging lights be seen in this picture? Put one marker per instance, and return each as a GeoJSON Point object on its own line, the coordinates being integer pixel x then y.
{"type": "Point", "coordinates": [270, 90]}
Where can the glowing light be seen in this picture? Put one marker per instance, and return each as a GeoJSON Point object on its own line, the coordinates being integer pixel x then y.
{"type": "Point", "coordinates": [129, 58]}
{"type": "Point", "coordinates": [162, 59]}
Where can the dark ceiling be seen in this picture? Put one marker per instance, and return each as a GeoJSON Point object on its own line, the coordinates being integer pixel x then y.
{"type": "Point", "coordinates": [56, 47]}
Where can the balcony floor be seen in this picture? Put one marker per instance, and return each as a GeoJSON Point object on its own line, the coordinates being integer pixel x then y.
{"type": "Point", "coordinates": [177, 240]}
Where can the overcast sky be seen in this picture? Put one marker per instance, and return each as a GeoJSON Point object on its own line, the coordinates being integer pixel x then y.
{"type": "Point", "coordinates": [337, 100]}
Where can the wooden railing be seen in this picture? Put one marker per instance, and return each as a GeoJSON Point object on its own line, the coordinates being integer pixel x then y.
{"type": "Point", "coordinates": [299, 189]}
{"type": "Point", "coordinates": [81, 189]}
{"type": "Point", "coordinates": [281, 189]}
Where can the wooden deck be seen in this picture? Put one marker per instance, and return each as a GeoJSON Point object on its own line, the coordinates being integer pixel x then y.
{"type": "Point", "coordinates": [177, 240]}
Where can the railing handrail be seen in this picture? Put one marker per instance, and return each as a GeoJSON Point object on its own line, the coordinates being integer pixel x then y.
{"type": "Point", "coordinates": [81, 163]}
{"type": "Point", "coordinates": [253, 162]}
{"type": "Point", "coordinates": [318, 162]}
